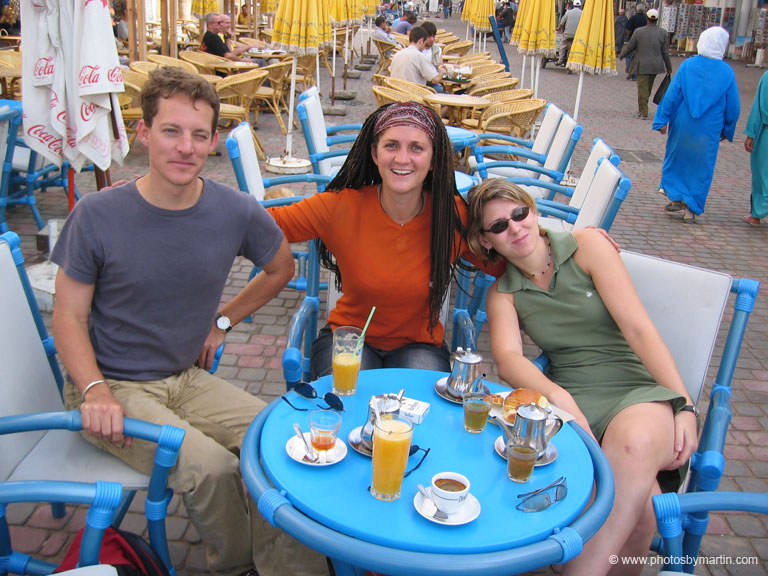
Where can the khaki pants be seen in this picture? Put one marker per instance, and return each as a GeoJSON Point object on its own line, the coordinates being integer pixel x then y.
{"type": "Point", "coordinates": [644, 87]}
{"type": "Point", "coordinates": [215, 416]}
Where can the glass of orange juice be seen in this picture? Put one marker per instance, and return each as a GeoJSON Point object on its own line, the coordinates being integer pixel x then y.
{"type": "Point", "coordinates": [391, 443]}
{"type": "Point", "coordinates": [346, 359]}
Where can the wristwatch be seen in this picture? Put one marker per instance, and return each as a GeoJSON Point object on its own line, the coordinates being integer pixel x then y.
{"type": "Point", "coordinates": [690, 408]}
{"type": "Point", "coordinates": [223, 323]}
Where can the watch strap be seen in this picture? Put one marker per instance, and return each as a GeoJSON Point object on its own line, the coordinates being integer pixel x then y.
{"type": "Point", "coordinates": [690, 408]}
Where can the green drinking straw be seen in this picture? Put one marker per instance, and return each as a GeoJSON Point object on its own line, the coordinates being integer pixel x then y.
{"type": "Point", "coordinates": [362, 334]}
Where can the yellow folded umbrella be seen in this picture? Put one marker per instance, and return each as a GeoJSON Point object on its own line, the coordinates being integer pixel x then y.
{"type": "Point", "coordinates": [593, 48]}
{"type": "Point", "coordinates": [534, 31]}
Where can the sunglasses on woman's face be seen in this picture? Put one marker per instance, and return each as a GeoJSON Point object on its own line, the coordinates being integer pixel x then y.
{"type": "Point", "coordinates": [308, 391]}
{"type": "Point", "coordinates": [518, 215]}
{"type": "Point", "coordinates": [543, 498]}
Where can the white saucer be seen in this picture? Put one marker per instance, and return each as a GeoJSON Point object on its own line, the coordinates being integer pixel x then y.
{"type": "Point", "coordinates": [356, 441]}
{"type": "Point", "coordinates": [547, 458]}
{"type": "Point", "coordinates": [296, 450]}
{"type": "Point", "coordinates": [442, 390]}
{"type": "Point", "coordinates": [468, 512]}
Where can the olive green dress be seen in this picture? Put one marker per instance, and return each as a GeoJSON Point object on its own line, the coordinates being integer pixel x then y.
{"type": "Point", "coordinates": [589, 356]}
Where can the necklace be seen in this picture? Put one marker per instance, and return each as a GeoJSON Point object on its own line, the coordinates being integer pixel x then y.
{"type": "Point", "coordinates": [421, 209]}
{"type": "Point", "coordinates": [549, 264]}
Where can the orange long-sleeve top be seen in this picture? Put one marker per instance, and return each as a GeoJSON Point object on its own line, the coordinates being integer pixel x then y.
{"type": "Point", "coordinates": [382, 263]}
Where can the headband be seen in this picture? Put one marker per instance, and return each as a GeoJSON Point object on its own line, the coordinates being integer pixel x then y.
{"type": "Point", "coordinates": [406, 114]}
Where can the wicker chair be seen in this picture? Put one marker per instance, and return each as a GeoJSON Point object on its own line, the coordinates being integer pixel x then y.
{"type": "Point", "coordinates": [484, 69]}
{"type": "Point", "coordinates": [388, 95]}
{"type": "Point", "coordinates": [504, 96]}
{"type": "Point", "coordinates": [460, 48]}
{"type": "Point", "coordinates": [379, 79]}
{"type": "Point", "coordinates": [306, 65]}
{"type": "Point", "coordinates": [144, 67]}
{"type": "Point", "coordinates": [419, 90]}
{"type": "Point", "coordinates": [10, 59]}
{"type": "Point", "coordinates": [514, 118]}
{"type": "Point", "coordinates": [477, 80]}
{"type": "Point", "coordinates": [273, 95]}
{"type": "Point", "coordinates": [130, 101]}
{"type": "Point", "coordinates": [169, 61]}
{"type": "Point", "coordinates": [475, 56]}
{"type": "Point", "coordinates": [495, 85]}
{"type": "Point", "coordinates": [386, 49]}
{"type": "Point", "coordinates": [202, 60]}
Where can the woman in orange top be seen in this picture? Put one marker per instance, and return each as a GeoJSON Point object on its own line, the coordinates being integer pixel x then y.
{"type": "Point", "coordinates": [393, 221]}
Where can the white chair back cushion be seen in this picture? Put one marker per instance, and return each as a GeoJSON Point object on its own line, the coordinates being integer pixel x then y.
{"type": "Point", "coordinates": [599, 196]}
{"type": "Point", "coordinates": [26, 381]}
{"type": "Point", "coordinates": [547, 131]}
{"type": "Point", "coordinates": [317, 129]}
{"type": "Point", "coordinates": [250, 161]}
{"type": "Point", "coordinates": [686, 305]}
{"type": "Point", "coordinates": [27, 385]}
{"type": "Point", "coordinates": [599, 151]}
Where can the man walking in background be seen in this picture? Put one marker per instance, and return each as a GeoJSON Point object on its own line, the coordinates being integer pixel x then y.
{"type": "Point", "coordinates": [650, 46]}
{"type": "Point", "coordinates": [569, 23]}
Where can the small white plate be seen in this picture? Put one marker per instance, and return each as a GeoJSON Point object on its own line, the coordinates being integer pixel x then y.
{"type": "Point", "coordinates": [468, 512]}
{"type": "Point", "coordinates": [296, 450]}
{"type": "Point", "coordinates": [547, 458]}
{"type": "Point", "coordinates": [355, 439]}
{"type": "Point", "coordinates": [441, 387]}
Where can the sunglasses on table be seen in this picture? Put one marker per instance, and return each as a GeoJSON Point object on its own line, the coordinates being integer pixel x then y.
{"type": "Point", "coordinates": [543, 498]}
{"type": "Point", "coordinates": [413, 450]}
{"type": "Point", "coordinates": [308, 391]}
{"type": "Point", "coordinates": [518, 215]}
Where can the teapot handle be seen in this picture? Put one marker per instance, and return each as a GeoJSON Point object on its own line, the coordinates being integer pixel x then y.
{"type": "Point", "coordinates": [556, 428]}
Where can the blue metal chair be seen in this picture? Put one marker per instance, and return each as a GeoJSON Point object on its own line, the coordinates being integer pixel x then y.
{"type": "Point", "coordinates": [103, 499]}
{"type": "Point", "coordinates": [682, 520]}
{"type": "Point", "coordinates": [245, 163]}
{"type": "Point", "coordinates": [23, 173]}
{"type": "Point", "coordinates": [37, 442]}
{"type": "Point", "coordinates": [686, 304]}
{"type": "Point", "coordinates": [547, 167]}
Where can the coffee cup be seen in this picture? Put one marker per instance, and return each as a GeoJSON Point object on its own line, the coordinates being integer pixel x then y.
{"type": "Point", "coordinates": [449, 491]}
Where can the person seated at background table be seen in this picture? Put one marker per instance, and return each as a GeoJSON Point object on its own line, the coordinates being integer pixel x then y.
{"type": "Point", "coordinates": [383, 32]}
{"type": "Point", "coordinates": [413, 65]}
{"type": "Point", "coordinates": [391, 226]}
{"type": "Point", "coordinates": [242, 17]}
{"type": "Point", "coordinates": [212, 42]}
{"type": "Point", "coordinates": [571, 294]}
{"type": "Point", "coordinates": [432, 49]}
{"type": "Point", "coordinates": [405, 24]}
{"type": "Point", "coordinates": [138, 320]}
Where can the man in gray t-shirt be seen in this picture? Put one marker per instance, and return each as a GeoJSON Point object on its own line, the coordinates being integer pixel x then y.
{"type": "Point", "coordinates": [137, 318]}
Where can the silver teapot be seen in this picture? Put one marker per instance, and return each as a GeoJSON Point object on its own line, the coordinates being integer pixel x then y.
{"type": "Point", "coordinates": [388, 404]}
{"type": "Point", "coordinates": [530, 427]}
{"type": "Point", "coordinates": [465, 369]}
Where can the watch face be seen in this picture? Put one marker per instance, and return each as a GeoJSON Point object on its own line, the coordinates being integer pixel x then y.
{"type": "Point", "coordinates": [222, 323]}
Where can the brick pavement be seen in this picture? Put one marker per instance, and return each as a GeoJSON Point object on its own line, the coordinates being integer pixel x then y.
{"type": "Point", "coordinates": [717, 240]}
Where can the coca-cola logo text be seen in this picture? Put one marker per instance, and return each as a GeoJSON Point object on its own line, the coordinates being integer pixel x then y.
{"type": "Point", "coordinates": [62, 117]}
{"type": "Point", "coordinates": [54, 101]}
{"type": "Point", "coordinates": [103, 2]}
{"type": "Point", "coordinates": [87, 111]}
{"type": "Point", "coordinates": [44, 67]}
{"type": "Point", "coordinates": [115, 75]}
{"type": "Point", "coordinates": [52, 141]}
{"type": "Point", "coordinates": [89, 75]}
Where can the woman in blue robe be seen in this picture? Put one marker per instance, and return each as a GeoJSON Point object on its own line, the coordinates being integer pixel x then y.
{"type": "Point", "coordinates": [701, 107]}
{"type": "Point", "coordinates": [757, 145]}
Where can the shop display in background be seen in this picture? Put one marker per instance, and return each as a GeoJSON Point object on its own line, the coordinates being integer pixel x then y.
{"type": "Point", "coordinates": [692, 20]}
{"type": "Point", "coordinates": [761, 29]}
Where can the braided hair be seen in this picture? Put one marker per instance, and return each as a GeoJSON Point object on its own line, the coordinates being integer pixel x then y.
{"type": "Point", "coordinates": [359, 170]}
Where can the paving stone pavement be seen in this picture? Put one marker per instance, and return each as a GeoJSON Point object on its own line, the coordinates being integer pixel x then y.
{"type": "Point", "coordinates": [718, 240]}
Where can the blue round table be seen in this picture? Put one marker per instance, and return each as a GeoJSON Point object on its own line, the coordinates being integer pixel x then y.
{"type": "Point", "coordinates": [329, 508]}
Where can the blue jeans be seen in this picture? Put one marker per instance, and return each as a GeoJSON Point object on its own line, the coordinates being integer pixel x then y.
{"type": "Point", "coordinates": [437, 87]}
{"type": "Point", "coordinates": [417, 355]}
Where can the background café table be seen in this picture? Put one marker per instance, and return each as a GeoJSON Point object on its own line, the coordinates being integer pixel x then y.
{"type": "Point", "coordinates": [329, 508]}
{"type": "Point", "coordinates": [457, 104]}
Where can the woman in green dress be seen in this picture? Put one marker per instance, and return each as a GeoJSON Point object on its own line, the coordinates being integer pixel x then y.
{"type": "Point", "coordinates": [570, 293]}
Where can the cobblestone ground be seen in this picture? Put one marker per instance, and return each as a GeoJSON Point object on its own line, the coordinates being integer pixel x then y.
{"type": "Point", "coordinates": [717, 240]}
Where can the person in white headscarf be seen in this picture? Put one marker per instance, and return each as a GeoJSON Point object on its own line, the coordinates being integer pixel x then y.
{"type": "Point", "coordinates": [701, 107]}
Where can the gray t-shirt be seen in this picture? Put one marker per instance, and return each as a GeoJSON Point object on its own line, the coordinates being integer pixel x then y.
{"type": "Point", "coordinates": [159, 274]}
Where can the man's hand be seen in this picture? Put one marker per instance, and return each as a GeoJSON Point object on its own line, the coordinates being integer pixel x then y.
{"type": "Point", "coordinates": [212, 342]}
{"type": "Point", "coordinates": [103, 415]}
{"type": "Point", "coordinates": [749, 144]}
{"type": "Point", "coordinates": [663, 129]}
{"type": "Point", "coordinates": [607, 237]}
